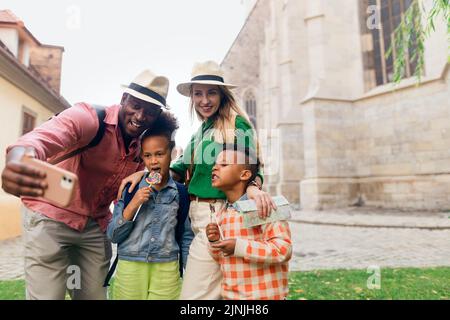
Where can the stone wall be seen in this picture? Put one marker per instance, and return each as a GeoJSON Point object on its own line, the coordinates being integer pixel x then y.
{"type": "Point", "coordinates": [241, 63]}
{"type": "Point", "coordinates": [402, 148]}
{"type": "Point", "coordinates": [328, 147]}
{"type": "Point", "coordinates": [389, 150]}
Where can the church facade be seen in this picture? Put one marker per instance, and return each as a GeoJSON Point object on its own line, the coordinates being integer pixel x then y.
{"type": "Point", "coordinates": [334, 130]}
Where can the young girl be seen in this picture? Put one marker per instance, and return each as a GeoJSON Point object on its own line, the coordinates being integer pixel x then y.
{"type": "Point", "coordinates": [223, 121]}
{"type": "Point", "coordinates": [146, 228]}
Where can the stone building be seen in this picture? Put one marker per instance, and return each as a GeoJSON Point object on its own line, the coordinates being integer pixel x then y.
{"type": "Point", "coordinates": [30, 76]}
{"type": "Point", "coordinates": [335, 133]}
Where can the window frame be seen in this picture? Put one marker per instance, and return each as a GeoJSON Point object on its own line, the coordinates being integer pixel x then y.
{"type": "Point", "coordinates": [250, 106]}
{"type": "Point", "coordinates": [377, 68]}
{"type": "Point", "coordinates": [28, 114]}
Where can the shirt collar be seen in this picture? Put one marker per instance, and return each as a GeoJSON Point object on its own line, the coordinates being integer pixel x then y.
{"type": "Point", "coordinates": [233, 205]}
{"type": "Point", "coordinates": [208, 122]}
{"type": "Point", "coordinates": [171, 183]}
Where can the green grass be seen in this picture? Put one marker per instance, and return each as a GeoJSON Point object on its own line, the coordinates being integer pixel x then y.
{"type": "Point", "coordinates": [396, 284]}
{"type": "Point", "coordinates": [12, 290]}
{"type": "Point", "coordinates": [15, 290]}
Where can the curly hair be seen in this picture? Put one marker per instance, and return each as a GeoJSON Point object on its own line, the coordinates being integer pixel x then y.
{"type": "Point", "coordinates": [166, 126]}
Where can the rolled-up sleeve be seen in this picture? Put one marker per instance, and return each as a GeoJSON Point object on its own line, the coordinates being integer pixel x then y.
{"type": "Point", "coordinates": [73, 128]}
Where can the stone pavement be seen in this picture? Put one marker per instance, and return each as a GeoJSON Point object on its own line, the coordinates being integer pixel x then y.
{"type": "Point", "coordinates": [353, 238]}
{"type": "Point", "coordinates": [11, 259]}
{"type": "Point", "coordinates": [375, 217]}
{"type": "Point", "coordinates": [356, 238]}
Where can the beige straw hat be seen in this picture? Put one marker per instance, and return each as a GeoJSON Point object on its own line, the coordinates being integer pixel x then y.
{"type": "Point", "coordinates": [149, 87]}
{"type": "Point", "coordinates": [208, 72]}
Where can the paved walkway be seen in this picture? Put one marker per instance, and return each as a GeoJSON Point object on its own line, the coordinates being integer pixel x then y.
{"type": "Point", "coordinates": [347, 238]}
{"type": "Point", "coordinates": [11, 259]}
{"type": "Point", "coordinates": [361, 237]}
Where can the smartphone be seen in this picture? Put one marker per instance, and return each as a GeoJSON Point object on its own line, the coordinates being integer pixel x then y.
{"type": "Point", "coordinates": [61, 183]}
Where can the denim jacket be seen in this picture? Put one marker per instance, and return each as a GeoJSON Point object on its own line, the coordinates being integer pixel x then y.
{"type": "Point", "coordinates": [151, 237]}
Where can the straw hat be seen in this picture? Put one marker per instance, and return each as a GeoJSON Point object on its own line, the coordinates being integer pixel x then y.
{"type": "Point", "coordinates": [149, 87]}
{"type": "Point", "coordinates": [208, 72]}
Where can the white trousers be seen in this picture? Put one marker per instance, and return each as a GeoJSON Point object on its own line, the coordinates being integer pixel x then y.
{"type": "Point", "coordinates": [202, 279]}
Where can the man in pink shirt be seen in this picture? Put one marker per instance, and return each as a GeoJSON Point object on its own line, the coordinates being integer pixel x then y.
{"type": "Point", "coordinates": [66, 247]}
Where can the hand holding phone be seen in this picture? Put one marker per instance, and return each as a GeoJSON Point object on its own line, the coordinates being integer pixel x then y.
{"type": "Point", "coordinates": [21, 179]}
{"type": "Point", "coordinates": [60, 183]}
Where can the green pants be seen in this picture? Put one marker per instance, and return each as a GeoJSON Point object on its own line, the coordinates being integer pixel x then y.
{"type": "Point", "coordinates": [146, 281]}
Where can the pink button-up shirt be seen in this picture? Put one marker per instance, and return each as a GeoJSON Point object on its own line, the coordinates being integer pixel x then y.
{"type": "Point", "coordinates": [99, 169]}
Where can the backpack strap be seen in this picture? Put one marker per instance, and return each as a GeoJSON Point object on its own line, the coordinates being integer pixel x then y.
{"type": "Point", "coordinates": [101, 114]}
{"type": "Point", "coordinates": [111, 271]}
{"type": "Point", "coordinates": [182, 214]}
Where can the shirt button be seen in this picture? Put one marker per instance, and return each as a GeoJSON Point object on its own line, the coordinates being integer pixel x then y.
{"type": "Point", "coordinates": [120, 221]}
{"type": "Point", "coordinates": [152, 239]}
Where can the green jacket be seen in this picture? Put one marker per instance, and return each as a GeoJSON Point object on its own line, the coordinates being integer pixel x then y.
{"type": "Point", "coordinates": [205, 154]}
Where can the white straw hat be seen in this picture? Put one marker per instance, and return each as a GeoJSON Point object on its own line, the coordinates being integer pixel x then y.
{"type": "Point", "coordinates": [208, 72]}
{"type": "Point", "coordinates": [149, 87]}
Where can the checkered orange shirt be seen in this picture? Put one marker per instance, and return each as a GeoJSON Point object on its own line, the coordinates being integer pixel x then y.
{"type": "Point", "coordinates": [258, 270]}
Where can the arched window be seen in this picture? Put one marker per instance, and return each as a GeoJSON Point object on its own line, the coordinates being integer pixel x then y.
{"type": "Point", "coordinates": [250, 106]}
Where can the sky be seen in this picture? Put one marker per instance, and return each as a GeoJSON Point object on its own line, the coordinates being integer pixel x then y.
{"type": "Point", "coordinates": [108, 43]}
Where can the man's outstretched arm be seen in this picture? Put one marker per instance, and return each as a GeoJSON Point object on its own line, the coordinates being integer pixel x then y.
{"type": "Point", "coordinates": [74, 127]}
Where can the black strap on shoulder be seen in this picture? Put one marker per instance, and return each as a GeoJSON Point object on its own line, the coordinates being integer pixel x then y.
{"type": "Point", "coordinates": [101, 114]}
{"type": "Point", "coordinates": [182, 214]}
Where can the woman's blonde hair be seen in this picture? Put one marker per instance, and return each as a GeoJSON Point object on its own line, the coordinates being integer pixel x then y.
{"type": "Point", "coordinates": [225, 117]}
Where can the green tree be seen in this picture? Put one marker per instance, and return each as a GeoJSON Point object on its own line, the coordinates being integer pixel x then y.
{"type": "Point", "coordinates": [411, 33]}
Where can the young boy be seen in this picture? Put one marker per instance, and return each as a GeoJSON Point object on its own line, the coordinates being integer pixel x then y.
{"type": "Point", "coordinates": [254, 261]}
{"type": "Point", "coordinates": [148, 251]}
